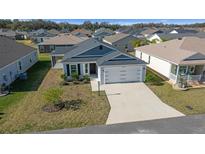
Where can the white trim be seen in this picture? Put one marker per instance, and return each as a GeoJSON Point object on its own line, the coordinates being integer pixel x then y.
{"type": "Point", "coordinates": [78, 62]}
{"type": "Point", "coordinates": [76, 68]}
{"type": "Point", "coordinates": [122, 65]}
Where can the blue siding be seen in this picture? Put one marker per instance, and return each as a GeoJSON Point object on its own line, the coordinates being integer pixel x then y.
{"type": "Point", "coordinates": [96, 52]}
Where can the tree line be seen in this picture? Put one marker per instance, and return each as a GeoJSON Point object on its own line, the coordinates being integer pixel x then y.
{"type": "Point", "coordinates": [28, 25]}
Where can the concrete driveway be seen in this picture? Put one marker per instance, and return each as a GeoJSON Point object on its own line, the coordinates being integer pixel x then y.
{"type": "Point", "coordinates": [135, 102]}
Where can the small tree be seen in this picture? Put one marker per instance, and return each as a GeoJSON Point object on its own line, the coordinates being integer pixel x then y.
{"type": "Point", "coordinates": [53, 95]}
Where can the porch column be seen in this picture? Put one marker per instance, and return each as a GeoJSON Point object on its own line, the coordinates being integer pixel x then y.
{"type": "Point", "coordinates": [177, 73]}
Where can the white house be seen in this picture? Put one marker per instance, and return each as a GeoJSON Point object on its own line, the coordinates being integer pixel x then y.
{"type": "Point", "coordinates": [155, 38]}
{"type": "Point", "coordinates": [15, 58]}
{"type": "Point", "coordinates": [176, 58]}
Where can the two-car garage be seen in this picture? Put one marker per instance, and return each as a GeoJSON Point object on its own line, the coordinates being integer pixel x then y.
{"type": "Point", "coordinates": [123, 73]}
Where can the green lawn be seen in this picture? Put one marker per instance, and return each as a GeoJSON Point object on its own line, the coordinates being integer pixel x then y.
{"type": "Point", "coordinates": [188, 102]}
{"type": "Point", "coordinates": [28, 116]}
{"type": "Point", "coordinates": [21, 88]}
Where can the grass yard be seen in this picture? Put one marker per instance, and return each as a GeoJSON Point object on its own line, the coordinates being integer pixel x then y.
{"type": "Point", "coordinates": [28, 43]}
{"type": "Point", "coordinates": [27, 115]}
{"type": "Point", "coordinates": [188, 102]}
{"type": "Point", "coordinates": [21, 88]}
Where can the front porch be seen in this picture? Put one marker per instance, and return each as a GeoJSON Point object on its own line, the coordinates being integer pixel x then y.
{"type": "Point", "coordinates": [81, 69]}
{"type": "Point", "coordinates": [188, 75]}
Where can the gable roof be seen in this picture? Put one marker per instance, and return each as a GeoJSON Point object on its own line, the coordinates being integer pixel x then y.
{"type": "Point", "coordinates": [118, 58]}
{"type": "Point", "coordinates": [85, 46]}
{"type": "Point", "coordinates": [63, 39]}
{"type": "Point", "coordinates": [115, 37]}
{"type": "Point", "coordinates": [149, 31]}
{"type": "Point", "coordinates": [11, 51]}
{"type": "Point", "coordinates": [178, 51]}
{"type": "Point", "coordinates": [53, 31]}
{"type": "Point", "coordinates": [85, 52]}
{"type": "Point", "coordinates": [103, 31]}
{"type": "Point", "coordinates": [82, 30]}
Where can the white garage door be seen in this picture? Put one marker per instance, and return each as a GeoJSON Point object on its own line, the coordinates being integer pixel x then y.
{"type": "Point", "coordinates": [123, 74]}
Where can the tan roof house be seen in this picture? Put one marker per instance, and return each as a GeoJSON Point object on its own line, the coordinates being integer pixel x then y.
{"type": "Point", "coordinates": [184, 57]}
{"type": "Point", "coordinates": [60, 40]}
{"type": "Point", "coordinates": [121, 41]}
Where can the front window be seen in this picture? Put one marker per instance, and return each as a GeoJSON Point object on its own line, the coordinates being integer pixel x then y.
{"type": "Point", "coordinates": [182, 70]}
{"type": "Point", "coordinates": [86, 68]}
{"type": "Point", "coordinates": [73, 69]}
{"type": "Point", "coordinates": [20, 67]}
{"type": "Point", "coordinates": [174, 69]}
{"type": "Point", "coordinates": [191, 69]}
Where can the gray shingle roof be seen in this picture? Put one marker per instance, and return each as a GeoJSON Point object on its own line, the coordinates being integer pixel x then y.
{"type": "Point", "coordinates": [11, 51]}
{"type": "Point", "coordinates": [85, 45]}
{"type": "Point", "coordinates": [103, 31]}
{"type": "Point", "coordinates": [115, 37]}
{"type": "Point", "coordinates": [109, 59]}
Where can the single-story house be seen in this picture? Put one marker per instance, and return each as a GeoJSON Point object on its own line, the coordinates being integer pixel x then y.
{"type": "Point", "coordinates": [121, 41]}
{"type": "Point", "coordinates": [61, 40]}
{"type": "Point", "coordinates": [176, 59]}
{"type": "Point", "coordinates": [82, 32]}
{"type": "Point", "coordinates": [154, 38]}
{"type": "Point", "coordinates": [40, 35]}
{"type": "Point", "coordinates": [104, 62]}
{"type": "Point", "coordinates": [15, 58]}
{"type": "Point", "coordinates": [102, 32]}
{"type": "Point", "coordinates": [8, 33]}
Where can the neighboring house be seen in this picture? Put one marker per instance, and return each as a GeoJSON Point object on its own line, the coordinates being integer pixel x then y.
{"type": "Point", "coordinates": [151, 34]}
{"type": "Point", "coordinates": [182, 31]}
{"type": "Point", "coordinates": [54, 32]}
{"type": "Point", "coordinates": [154, 38]}
{"type": "Point", "coordinates": [8, 33]}
{"type": "Point", "coordinates": [102, 32]}
{"type": "Point", "coordinates": [40, 35]}
{"type": "Point", "coordinates": [21, 35]}
{"type": "Point", "coordinates": [104, 62]}
{"type": "Point", "coordinates": [176, 58]}
{"type": "Point", "coordinates": [15, 58]}
{"type": "Point", "coordinates": [61, 40]}
{"type": "Point", "coordinates": [181, 35]}
{"type": "Point", "coordinates": [82, 33]}
{"type": "Point", "coordinates": [121, 41]}
{"type": "Point", "coordinates": [150, 31]}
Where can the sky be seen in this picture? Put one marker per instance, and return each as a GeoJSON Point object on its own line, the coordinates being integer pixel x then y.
{"type": "Point", "coordinates": [132, 21]}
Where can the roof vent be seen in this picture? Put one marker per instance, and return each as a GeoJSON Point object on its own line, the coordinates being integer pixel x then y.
{"type": "Point", "coordinates": [179, 38]}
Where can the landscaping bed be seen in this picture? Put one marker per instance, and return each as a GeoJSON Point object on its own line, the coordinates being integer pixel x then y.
{"type": "Point", "coordinates": [188, 102]}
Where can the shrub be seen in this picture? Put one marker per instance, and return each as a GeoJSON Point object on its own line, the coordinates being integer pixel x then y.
{"type": "Point", "coordinates": [53, 95]}
{"type": "Point", "coordinates": [86, 78]}
{"type": "Point", "coordinates": [75, 76]}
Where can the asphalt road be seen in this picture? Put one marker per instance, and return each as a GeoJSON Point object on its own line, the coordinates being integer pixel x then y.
{"type": "Point", "coordinates": [194, 124]}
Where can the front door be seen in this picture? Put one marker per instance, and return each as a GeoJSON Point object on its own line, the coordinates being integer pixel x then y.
{"type": "Point", "coordinates": [93, 68]}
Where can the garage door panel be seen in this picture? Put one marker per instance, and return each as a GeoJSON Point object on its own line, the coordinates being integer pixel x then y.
{"type": "Point", "coordinates": [123, 74]}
